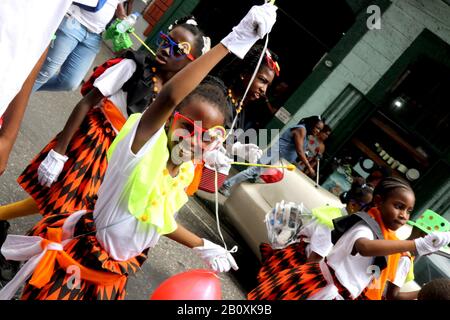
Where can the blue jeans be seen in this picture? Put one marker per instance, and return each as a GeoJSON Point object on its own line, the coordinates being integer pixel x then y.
{"type": "Point", "coordinates": [72, 53]}
{"type": "Point", "coordinates": [271, 156]}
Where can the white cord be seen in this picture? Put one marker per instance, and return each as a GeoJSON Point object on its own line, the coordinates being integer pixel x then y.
{"type": "Point", "coordinates": [248, 86]}
{"type": "Point", "coordinates": [216, 194]}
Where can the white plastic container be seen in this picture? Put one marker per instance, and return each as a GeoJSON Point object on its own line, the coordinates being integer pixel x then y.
{"type": "Point", "coordinates": [128, 22]}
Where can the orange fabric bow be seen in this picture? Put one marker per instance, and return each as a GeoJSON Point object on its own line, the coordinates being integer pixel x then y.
{"type": "Point", "coordinates": [46, 267]}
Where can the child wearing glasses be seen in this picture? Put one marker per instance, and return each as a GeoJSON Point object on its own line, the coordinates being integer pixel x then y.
{"type": "Point", "coordinates": [66, 174]}
{"type": "Point", "coordinates": [144, 186]}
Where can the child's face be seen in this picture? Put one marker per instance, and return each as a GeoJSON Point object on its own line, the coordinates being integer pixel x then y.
{"type": "Point", "coordinates": [188, 134]}
{"type": "Point", "coordinates": [354, 205]}
{"type": "Point", "coordinates": [396, 208]}
{"type": "Point", "coordinates": [259, 86]}
{"type": "Point", "coordinates": [323, 135]}
{"type": "Point", "coordinates": [166, 56]}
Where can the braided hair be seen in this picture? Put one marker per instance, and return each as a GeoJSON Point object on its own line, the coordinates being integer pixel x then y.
{"type": "Point", "coordinates": [202, 43]}
{"type": "Point", "coordinates": [388, 185]}
{"type": "Point", "coordinates": [212, 90]}
{"type": "Point", "coordinates": [359, 192]}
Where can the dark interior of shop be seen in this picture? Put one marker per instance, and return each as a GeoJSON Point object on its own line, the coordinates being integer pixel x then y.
{"type": "Point", "coordinates": [408, 134]}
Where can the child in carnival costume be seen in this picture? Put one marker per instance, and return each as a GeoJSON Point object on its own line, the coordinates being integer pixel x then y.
{"type": "Point", "coordinates": [363, 241]}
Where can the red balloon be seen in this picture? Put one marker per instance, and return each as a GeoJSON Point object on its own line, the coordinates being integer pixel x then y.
{"type": "Point", "coordinates": [196, 284]}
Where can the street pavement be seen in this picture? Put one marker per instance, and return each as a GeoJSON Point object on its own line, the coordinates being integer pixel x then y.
{"type": "Point", "coordinates": [46, 115]}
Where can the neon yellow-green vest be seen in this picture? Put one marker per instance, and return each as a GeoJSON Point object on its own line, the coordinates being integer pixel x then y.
{"type": "Point", "coordinates": [326, 214]}
{"type": "Point", "coordinates": [154, 195]}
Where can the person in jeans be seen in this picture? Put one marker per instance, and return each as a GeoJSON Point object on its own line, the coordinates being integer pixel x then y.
{"type": "Point", "coordinates": [291, 145]}
{"type": "Point", "coordinates": [78, 40]}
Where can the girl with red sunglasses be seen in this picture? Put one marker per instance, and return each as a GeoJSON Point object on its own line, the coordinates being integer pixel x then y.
{"type": "Point", "coordinates": [143, 188]}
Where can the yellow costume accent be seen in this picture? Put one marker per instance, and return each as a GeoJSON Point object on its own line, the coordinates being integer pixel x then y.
{"type": "Point", "coordinates": [155, 196]}
{"type": "Point", "coordinates": [326, 214]}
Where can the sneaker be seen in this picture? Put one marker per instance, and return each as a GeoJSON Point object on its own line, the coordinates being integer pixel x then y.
{"type": "Point", "coordinates": [224, 191]}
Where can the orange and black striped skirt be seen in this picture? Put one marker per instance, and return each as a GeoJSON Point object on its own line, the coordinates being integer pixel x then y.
{"type": "Point", "coordinates": [297, 283]}
{"type": "Point", "coordinates": [78, 184]}
{"type": "Point", "coordinates": [87, 251]}
{"type": "Point", "coordinates": [277, 260]}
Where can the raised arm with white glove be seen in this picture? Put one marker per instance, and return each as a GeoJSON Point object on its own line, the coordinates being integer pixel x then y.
{"type": "Point", "coordinates": [432, 242]}
{"type": "Point", "coordinates": [217, 159]}
{"type": "Point", "coordinates": [249, 152]}
{"type": "Point", "coordinates": [50, 169]}
{"type": "Point", "coordinates": [217, 257]}
{"type": "Point", "coordinates": [254, 26]}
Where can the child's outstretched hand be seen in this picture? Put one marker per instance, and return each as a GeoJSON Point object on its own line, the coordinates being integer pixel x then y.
{"type": "Point", "coordinates": [250, 152]}
{"type": "Point", "coordinates": [217, 257]}
{"type": "Point", "coordinates": [432, 242]}
{"type": "Point", "coordinates": [254, 26]}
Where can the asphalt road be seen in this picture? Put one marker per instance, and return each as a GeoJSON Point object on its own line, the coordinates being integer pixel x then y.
{"type": "Point", "coordinates": [46, 115]}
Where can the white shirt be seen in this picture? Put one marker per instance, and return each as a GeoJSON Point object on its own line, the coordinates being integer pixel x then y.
{"type": "Point", "coordinates": [352, 271]}
{"type": "Point", "coordinates": [95, 21]}
{"type": "Point", "coordinates": [26, 29]}
{"type": "Point", "coordinates": [318, 237]}
{"type": "Point", "coordinates": [110, 83]}
{"type": "Point", "coordinates": [404, 265]}
{"type": "Point", "coordinates": [120, 233]}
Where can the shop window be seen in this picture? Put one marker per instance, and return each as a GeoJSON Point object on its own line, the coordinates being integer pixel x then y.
{"type": "Point", "coordinates": [420, 99]}
{"type": "Point", "coordinates": [342, 105]}
{"type": "Point", "coordinates": [406, 136]}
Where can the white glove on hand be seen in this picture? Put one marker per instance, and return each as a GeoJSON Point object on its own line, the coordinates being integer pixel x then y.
{"type": "Point", "coordinates": [50, 168]}
{"type": "Point", "coordinates": [217, 159]}
{"type": "Point", "coordinates": [250, 152]}
{"type": "Point", "coordinates": [254, 26]}
{"type": "Point", "coordinates": [217, 257]}
{"type": "Point", "coordinates": [432, 242]}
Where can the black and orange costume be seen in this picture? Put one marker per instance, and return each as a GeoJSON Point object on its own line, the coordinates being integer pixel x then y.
{"type": "Point", "coordinates": [302, 282]}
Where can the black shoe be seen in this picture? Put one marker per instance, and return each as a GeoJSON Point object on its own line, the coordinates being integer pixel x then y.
{"type": "Point", "coordinates": [8, 269]}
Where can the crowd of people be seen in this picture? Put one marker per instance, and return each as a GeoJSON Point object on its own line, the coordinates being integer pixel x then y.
{"type": "Point", "coordinates": [109, 185]}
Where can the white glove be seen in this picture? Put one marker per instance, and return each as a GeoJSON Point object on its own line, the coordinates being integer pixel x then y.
{"type": "Point", "coordinates": [254, 26]}
{"type": "Point", "coordinates": [217, 159]}
{"type": "Point", "coordinates": [432, 242]}
{"type": "Point", "coordinates": [250, 152]}
{"type": "Point", "coordinates": [50, 168]}
{"type": "Point", "coordinates": [217, 257]}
